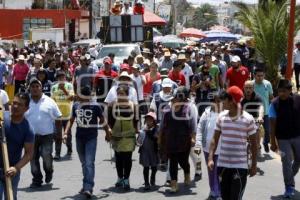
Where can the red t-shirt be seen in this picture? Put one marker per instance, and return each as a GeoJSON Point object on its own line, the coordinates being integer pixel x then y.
{"type": "Point", "coordinates": [177, 78]}
{"type": "Point", "coordinates": [149, 83]}
{"type": "Point", "coordinates": [237, 78]}
{"type": "Point", "coordinates": [112, 74]}
{"type": "Point", "coordinates": [20, 72]}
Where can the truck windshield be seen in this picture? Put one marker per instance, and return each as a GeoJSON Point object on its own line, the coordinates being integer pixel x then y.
{"type": "Point", "coordinates": [119, 51]}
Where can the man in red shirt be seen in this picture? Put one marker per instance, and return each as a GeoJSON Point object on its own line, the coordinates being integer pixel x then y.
{"type": "Point", "coordinates": [176, 75]}
{"type": "Point", "coordinates": [104, 79]}
{"type": "Point", "coordinates": [237, 75]}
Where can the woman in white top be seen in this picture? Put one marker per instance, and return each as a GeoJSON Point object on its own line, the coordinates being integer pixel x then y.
{"type": "Point", "coordinates": [205, 133]}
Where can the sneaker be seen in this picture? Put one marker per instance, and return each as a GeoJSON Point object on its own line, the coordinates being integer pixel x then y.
{"type": "Point", "coordinates": [147, 187]}
{"type": "Point", "coordinates": [56, 157]}
{"type": "Point", "coordinates": [187, 179]}
{"type": "Point", "coordinates": [289, 192]}
{"type": "Point", "coordinates": [35, 185]}
{"type": "Point", "coordinates": [88, 194]}
{"type": "Point", "coordinates": [81, 191]}
{"type": "Point", "coordinates": [168, 183]}
{"type": "Point", "coordinates": [198, 176]}
{"type": "Point", "coordinates": [119, 183]}
{"type": "Point", "coordinates": [69, 152]}
{"type": "Point", "coordinates": [126, 185]}
{"type": "Point", "coordinates": [266, 147]}
{"type": "Point", "coordinates": [48, 178]}
{"type": "Point", "coordinates": [174, 187]}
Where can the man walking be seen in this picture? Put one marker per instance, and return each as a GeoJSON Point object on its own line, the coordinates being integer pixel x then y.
{"type": "Point", "coordinates": [234, 128]}
{"type": "Point", "coordinates": [62, 93]}
{"type": "Point", "coordinates": [285, 136]}
{"type": "Point", "coordinates": [43, 113]}
{"type": "Point", "coordinates": [264, 90]}
{"type": "Point", "coordinates": [19, 136]}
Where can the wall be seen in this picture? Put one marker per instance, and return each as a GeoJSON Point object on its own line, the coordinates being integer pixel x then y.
{"type": "Point", "coordinates": [17, 4]}
{"type": "Point", "coordinates": [14, 30]}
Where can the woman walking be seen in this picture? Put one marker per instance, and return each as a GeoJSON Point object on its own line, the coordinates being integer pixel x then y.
{"type": "Point", "coordinates": [123, 120]}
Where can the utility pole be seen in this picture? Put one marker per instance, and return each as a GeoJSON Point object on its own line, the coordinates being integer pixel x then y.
{"type": "Point", "coordinates": [174, 16]}
{"type": "Point", "coordinates": [91, 19]}
{"type": "Point", "coordinates": [289, 72]}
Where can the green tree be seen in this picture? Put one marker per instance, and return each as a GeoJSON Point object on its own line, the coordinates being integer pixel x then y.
{"type": "Point", "coordinates": [205, 17]}
{"type": "Point", "coordinates": [269, 25]}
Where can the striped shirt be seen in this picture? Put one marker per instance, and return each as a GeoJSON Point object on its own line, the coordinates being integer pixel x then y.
{"type": "Point", "coordinates": [234, 135]}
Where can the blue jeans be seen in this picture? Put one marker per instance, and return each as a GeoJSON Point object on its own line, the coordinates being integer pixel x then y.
{"type": "Point", "coordinates": [87, 151]}
{"type": "Point", "coordinates": [266, 126]}
{"type": "Point", "coordinates": [14, 181]}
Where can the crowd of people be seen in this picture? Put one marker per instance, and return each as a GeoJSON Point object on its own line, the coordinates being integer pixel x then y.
{"type": "Point", "coordinates": [173, 104]}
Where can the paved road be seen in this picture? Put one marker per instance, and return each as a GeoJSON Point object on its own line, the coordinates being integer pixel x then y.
{"type": "Point", "coordinates": [67, 181]}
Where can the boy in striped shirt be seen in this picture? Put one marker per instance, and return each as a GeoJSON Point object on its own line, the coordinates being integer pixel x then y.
{"type": "Point", "coordinates": [234, 128]}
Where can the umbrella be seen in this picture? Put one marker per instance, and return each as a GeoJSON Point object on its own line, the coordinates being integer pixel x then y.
{"type": "Point", "coordinates": [170, 41]}
{"type": "Point", "coordinates": [192, 32]}
{"type": "Point", "coordinates": [221, 36]}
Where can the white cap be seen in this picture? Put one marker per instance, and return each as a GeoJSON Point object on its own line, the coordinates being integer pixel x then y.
{"type": "Point", "coordinates": [87, 56]}
{"type": "Point", "coordinates": [213, 58]}
{"type": "Point", "coordinates": [167, 83]}
{"type": "Point", "coordinates": [202, 51]}
{"type": "Point", "coordinates": [9, 62]}
{"type": "Point", "coordinates": [38, 56]}
{"type": "Point", "coordinates": [21, 57]}
{"type": "Point", "coordinates": [235, 59]}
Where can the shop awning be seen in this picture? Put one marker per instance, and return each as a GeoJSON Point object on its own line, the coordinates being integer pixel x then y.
{"type": "Point", "coordinates": [152, 19]}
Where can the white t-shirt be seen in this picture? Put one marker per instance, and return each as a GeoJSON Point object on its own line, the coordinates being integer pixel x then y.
{"type": "Point", "coordinates": [42, 115]}
{"type": "Point", "coordinates": [139, 83]}
{"type": "Point", "coordinates": [112, 95]}
{"type": "Point", "coordinates": [206, 130]}
{"type": "Point", "coordinates": [297, 56]}
{"type": "Point", "coordinates": [187, 72]}
{"type": "Point", "coordinates": [4, 97]}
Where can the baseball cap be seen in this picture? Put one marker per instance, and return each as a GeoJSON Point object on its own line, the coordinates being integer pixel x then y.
{"type": "Point", "coordinates": [9, 62]}
{"type": "Point", "coordinates": [124, 66]}
{"type": "Point", "coordinates": [202, 52]}
{"type": "Point", "coordinates": [35, 80]}
{"type": "Point", "coordinates": [21, 57]}
{"type": "Point", "coordinates": [236, 93]}
{"type": "Point", "coordinates": [136, 66]}
{"type": "Point", "coordinates": [236, 59]}
{"type": "Point", "coordinates": [107, 60]}
{"type": "Point", "coordinates": [152, 115]}
{"type": "Point", "coordinates": [167, 83]}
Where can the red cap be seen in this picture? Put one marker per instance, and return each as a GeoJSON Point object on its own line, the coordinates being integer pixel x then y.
{"type": "Point", "coordinates": [236, 93]}
{"type": "Point", "coordinates": [124, 66]}
{"type": "Point", "coordinates": [107, 61]}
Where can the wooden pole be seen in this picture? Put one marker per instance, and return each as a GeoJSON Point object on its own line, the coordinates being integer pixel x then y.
{"type": "Point", "coordinates": [290, 50]}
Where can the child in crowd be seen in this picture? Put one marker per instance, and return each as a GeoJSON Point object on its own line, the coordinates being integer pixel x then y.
{"type": "Point", "coordinates": [147, 141]}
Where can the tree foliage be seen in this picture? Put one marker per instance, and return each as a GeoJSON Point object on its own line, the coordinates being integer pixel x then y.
{"type": "Point", "coordinates": [205, 17]}
{"type": "Point", "coordinates": [269, 25]}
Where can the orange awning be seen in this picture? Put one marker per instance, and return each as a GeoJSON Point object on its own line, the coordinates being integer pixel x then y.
{"type": "Point", "coordinates": [152, 19]}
